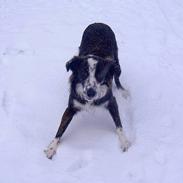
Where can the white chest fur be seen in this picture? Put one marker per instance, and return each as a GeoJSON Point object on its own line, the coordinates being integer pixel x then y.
{"type": "Point", "coordinates": [88, 106]}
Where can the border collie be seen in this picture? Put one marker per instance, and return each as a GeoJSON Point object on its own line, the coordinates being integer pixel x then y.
{"type": "Point", "coordinates": [93, 71]}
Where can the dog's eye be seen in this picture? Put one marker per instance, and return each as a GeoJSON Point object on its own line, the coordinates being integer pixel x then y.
{"type": "Point", "coordinates": [83, 75]}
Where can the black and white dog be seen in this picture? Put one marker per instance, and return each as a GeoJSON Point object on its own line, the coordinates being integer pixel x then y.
{"type": "Point", "coordinates": [91, 81]}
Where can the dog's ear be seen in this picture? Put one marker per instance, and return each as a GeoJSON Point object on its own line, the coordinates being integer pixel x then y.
{"type": "Point", "coordinates": [116, 69]}
{"type": "Point", "coordinates": [73, 64]}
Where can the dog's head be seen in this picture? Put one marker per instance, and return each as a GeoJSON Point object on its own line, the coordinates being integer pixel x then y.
{"type": "Point", "coordinates": [91, 76]}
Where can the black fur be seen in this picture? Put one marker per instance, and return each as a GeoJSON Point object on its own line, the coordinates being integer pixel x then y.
{"type": "Point", "coordinates": [99, 39]}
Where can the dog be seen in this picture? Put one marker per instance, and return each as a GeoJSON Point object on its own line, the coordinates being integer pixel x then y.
{"type": "Point", "coordinates": [93, 70]}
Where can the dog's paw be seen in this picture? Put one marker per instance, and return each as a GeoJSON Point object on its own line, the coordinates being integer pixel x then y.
{"type": "Point", "coordinates": [52, 148]}
{"type": "Point", "coordinates": [124, 142]}
{"type": "Point", "coordinates": [125, 145]}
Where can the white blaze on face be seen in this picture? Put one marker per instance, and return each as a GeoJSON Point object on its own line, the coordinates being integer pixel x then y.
{"type": "Point", "coordinates": [92, 68]}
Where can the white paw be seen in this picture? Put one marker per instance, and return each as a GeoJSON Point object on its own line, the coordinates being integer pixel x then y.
{"type": "Point", "coordinates": [52, 148]}
{"type": "Point", "coordinates": [126, 94]}
{"type": "Point", "coordinates": [124, 142]}
{"type": "Point", "coordinates": [125, 145]}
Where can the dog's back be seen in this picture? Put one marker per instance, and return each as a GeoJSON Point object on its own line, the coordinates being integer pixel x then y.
{"type": "Point", "coordinates": [98, 39]}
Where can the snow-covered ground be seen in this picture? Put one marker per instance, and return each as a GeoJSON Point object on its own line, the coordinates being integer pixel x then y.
{"type": "Point", "coordinates": [37, 38]}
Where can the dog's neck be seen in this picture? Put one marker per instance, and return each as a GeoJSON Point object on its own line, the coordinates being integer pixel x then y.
{"type": "Point", "coordinates": [98, 102]}
{"type": "Point", "coordinates": [103, 99]}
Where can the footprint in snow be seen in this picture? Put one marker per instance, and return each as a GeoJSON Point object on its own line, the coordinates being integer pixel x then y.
{"type": "Point", "coordinates": [83, 161]}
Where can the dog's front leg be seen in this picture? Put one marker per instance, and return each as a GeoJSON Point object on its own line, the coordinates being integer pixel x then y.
{"type": "Point", "coordinates": [113, 110]}
{"type": "Point", "coordinates": [66, 119]}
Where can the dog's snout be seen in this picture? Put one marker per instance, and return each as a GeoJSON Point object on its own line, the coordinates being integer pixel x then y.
{"type": "Point", "coordinates": [91, 92]}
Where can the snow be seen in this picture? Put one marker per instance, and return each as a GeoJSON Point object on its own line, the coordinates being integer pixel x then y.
{"type": "Point", "coordinates": [37, 38]}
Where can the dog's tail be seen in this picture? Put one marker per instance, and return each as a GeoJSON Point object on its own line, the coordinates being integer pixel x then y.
{"type": "Point", "coordinates": [118, 83]}
{"type": "Point", "coordinates": [125, 93]}
{"type": "Point", "coordinates": [117, 73]}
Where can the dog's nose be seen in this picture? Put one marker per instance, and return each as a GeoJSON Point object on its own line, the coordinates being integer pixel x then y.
{"type": "Point", "coordinates": [91, 92]}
